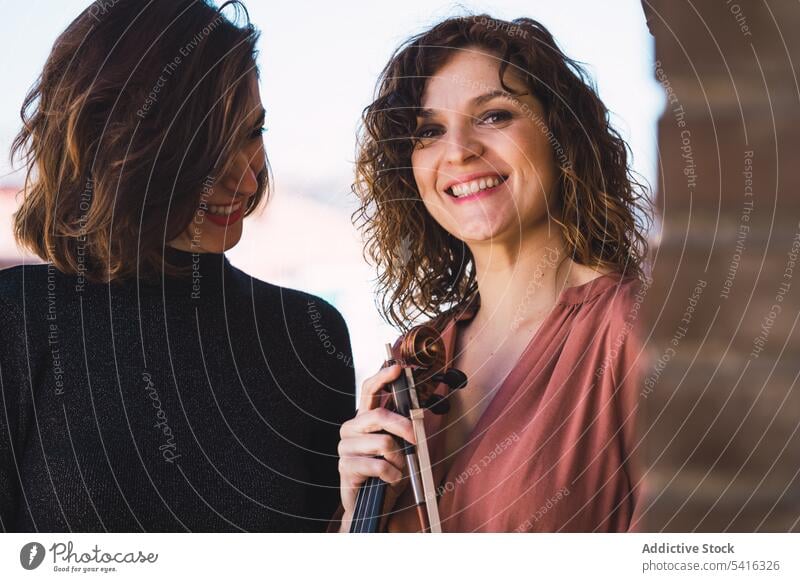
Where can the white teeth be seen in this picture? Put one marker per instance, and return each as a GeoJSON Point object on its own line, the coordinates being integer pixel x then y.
{"type": "Point", "coordinates": [475, 186]}
{"type": "Point", "coordinates": [224, 210]}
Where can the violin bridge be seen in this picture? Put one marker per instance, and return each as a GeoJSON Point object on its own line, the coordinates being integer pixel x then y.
{"type": "Point", "coordinates": [426, 473]}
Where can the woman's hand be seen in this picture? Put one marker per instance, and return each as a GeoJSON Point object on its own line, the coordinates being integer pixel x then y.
{"type": "Point", "coordinates": [361, 441]}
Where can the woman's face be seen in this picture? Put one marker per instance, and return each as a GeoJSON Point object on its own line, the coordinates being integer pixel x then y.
{"type": "Point", "coordinates": [483, 164]}
{"type": "Point", "coordinates": [217, 223]}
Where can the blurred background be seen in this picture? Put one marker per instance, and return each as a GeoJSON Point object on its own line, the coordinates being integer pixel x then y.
{"type": "Point", "coordinates": [319, 62]}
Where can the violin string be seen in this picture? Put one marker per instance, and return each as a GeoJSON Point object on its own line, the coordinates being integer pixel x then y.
{"type": "Point", "coordinates": [372, 498]}
{"type": "Point", "coordinates": [375, 487]}
{"type": "Point", "coordinates": [357, 514]}
{"type": "Point", "coordinates": [369, 508]}
{"type": "Point", "coordinates": [366, 507]}
{"type": "Point", "coordinates": [380, 488]}
{"type": "Point", "coordinates": [359, 509]}
{"type": "Point", "coordinates": [367, 500]}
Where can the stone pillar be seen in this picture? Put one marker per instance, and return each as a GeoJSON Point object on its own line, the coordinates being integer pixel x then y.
{"type": "Point", "coordinates": [721, 399]}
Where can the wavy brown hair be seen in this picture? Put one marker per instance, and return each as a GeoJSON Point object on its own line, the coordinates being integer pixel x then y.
{"type": "Point", "coordinates": [602, 209]}
{"type": "Point", "coordinates": [138, 106]}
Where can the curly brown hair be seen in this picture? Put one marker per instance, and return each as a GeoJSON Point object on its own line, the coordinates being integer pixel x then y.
{"type": "Point", "coordinates": [603, 210]}
{"type": "Point", "coordinates": [138, 106]}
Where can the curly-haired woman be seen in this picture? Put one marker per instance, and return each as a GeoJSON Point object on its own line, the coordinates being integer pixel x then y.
{"type": "Point", "coordinates": [147, 384]}
{"type": "Point", "coordinates": [497, 201]}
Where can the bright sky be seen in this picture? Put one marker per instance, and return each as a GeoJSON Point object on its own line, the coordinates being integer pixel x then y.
{"type": "Point", "coordinates": [319, 63]}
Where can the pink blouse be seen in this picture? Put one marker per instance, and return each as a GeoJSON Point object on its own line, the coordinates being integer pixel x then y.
{"type": "Point", "coordinates": [553, 451]}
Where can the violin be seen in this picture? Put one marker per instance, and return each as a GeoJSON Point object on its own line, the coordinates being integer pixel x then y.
{"type": "Point", "coordinates": [421, 355]}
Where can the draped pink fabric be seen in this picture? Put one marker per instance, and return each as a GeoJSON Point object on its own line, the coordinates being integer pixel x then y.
{"type": "Point", "coordinates": [553, 450]}
{"type": "Point", "coordinates": [556, 449]}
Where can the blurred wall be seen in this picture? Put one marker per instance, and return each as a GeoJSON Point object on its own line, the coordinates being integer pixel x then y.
{"type": "Point", "coordinates": [720, 393]}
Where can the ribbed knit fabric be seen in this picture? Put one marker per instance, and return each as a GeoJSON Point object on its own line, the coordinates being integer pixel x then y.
{"type": "Point", "coordinates": [209, 402]}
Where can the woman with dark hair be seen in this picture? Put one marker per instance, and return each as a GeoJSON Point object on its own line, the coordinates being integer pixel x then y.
{"type": "Point", "coordinates": [147, 384]}
{"type": "Point", "coordinates": [497, 202]}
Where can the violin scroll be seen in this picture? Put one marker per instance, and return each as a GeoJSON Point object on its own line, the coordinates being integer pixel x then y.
{"type": "Point", "coordinates": [422, 350]}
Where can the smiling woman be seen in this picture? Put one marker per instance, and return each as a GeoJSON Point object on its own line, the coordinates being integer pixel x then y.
{"type": "Point", "coordinates": [147, 384]}
{"type": "Point", "coordinates": [136, 138]}
{"type": "Point", "coordinates": [536, 105]}
{"type": "Point", "coordinates": [488, 161]}
{"type": "Point", "coordinates": [217, 223]}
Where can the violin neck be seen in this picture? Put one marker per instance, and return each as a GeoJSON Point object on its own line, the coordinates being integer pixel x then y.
{"type": "Point", "coordinates": [369, 506]}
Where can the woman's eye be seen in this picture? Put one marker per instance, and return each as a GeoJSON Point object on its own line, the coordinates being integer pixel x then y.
{"type": "Point", "coordinates": [258, 132]}
{"type": "Point", "coordinates": [493, 117]}
{"type": "Point", "coordinates": [427, 132]}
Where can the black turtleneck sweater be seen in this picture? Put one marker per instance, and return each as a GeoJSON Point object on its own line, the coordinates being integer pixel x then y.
{"type": "Point", "coordinates": [210, 402]}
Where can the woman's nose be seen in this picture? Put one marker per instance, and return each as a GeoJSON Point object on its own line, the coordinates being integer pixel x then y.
{"type": "Point", "coordinates": [242, 176]}
{"type": "Point", "coordinates": [462, 146]}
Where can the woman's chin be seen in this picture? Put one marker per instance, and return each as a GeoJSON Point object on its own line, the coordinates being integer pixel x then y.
{"type": "Point", "coordinates": [483, 231]}
{"type": "Point", "coordinates": [227, 245]}
{"type": "Point", "coordinates": [218, 239]}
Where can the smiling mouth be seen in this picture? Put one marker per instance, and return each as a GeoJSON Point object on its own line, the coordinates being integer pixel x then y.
{"type": "Point", "coordinates": [224, 209]}
{"type": "Point", "coordinates": [475, 186]}
{"type": "Point", "coordinates": [225, 214]}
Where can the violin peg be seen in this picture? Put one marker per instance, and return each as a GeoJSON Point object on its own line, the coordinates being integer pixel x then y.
{"type": "Point", "coordinates": [455, 379]}
{"type": "Point", "coordinates": [438, 404]}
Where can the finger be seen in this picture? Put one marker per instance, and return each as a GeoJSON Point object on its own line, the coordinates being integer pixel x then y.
{"type": "Point", "coordinates": [372, 387]}
{"type": "Point", "coordinates": [377, 420]}
{"type": "Point", "coordinates": [358, 469]}
{"type": "Point", "coordinates": [382, 445]}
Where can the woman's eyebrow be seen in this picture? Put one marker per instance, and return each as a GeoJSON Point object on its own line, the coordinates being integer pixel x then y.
{"type": "Point", "coordinates": [495, 93]}
{"type": "Point", "coordinates": [477, 101]}
{"type": "Point", "coordinates": [426, 113]}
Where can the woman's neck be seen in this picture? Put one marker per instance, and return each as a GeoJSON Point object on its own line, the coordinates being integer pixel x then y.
{"type": "Point", "coordinates": [520, 280]}
{"type": "Point", "coordinates": [183, 243]}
